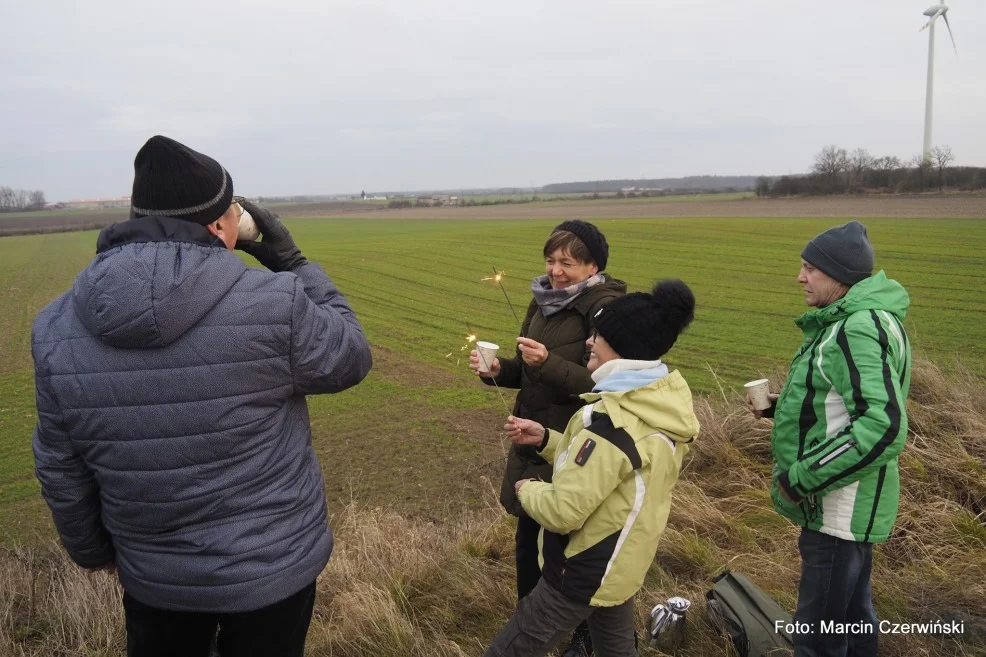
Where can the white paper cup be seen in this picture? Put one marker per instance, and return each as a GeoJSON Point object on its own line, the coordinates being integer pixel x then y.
{"type": "Point", "coordinates": [487, 352]}
{"type": "Point", "coordinates": [248, 227]}
{"type": "Point", "coordinates": [757, 391]}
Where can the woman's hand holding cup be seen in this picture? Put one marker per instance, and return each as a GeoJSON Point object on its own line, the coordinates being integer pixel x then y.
{"type": "Point", "coordinates": [475, 366]}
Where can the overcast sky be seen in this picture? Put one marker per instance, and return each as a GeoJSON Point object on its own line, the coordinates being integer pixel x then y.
{"type": "Point", "coordinates": [298, 97]}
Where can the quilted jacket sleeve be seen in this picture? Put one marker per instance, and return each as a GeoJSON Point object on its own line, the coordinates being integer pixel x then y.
{"type": "Point", "coordinates": [329, 351]}
{"type": "Point", "coordinates": [68, 486]}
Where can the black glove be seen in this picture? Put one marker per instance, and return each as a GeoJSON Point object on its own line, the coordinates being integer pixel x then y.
{"type": "Point", "coordinates": [276, 251]}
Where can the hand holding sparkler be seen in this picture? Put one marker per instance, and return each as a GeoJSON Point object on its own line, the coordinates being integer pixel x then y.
{"type": "Point", "coordinates": [533, 352]}
{"type": "Point", "coordinates": [483, 362]}
{"type": "Point", "coordinates": [524, 432]}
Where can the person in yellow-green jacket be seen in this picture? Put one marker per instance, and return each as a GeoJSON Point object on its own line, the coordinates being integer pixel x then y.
{"type": "Point", "coordinates": [614, 468]}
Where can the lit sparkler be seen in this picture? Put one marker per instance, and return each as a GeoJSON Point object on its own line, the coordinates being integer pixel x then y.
{"type": "Point", "coordinates": [470, 339]}
{"type": "Point", "coordinates": [497, 278]}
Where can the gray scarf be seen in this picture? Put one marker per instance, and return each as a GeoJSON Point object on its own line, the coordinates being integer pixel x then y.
{"type": "Point", "coordinates": [550, 300]}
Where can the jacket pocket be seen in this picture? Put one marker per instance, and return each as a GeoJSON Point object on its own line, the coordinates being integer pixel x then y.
{"type": "Point", "coordinates": [834, 454]}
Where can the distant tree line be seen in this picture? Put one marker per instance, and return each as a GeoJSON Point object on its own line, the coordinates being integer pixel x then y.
{"type": "Point", "coordinates": [668, 185]}
{"type": "Point", "coordinates": [21, 200]}
{"type": "Point", "coordinates": [838, 171]}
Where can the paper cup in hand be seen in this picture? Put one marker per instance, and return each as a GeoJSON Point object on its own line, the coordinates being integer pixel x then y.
{"type": "Point", "coordinates": [757, 391]}
{"type": "Point", "coordinates": [248, 227]}
{"type": "Point", "coordinates": [487, 352]}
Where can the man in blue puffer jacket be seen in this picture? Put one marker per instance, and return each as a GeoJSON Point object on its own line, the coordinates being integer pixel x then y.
{"type": "Point", "coordinates": [173, 441]}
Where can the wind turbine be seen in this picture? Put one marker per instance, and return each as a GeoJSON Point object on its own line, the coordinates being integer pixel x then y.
{"type": "Point", "coordinates": [934, 11]}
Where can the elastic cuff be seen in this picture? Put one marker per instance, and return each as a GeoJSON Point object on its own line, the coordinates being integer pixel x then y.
{"type": "Point", "coordinates": [784, 481]}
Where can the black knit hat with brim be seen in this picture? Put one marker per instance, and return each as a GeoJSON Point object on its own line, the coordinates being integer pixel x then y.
{"type": "Point", "coordinates": [642, 326]}
{"type": "Point", "coordinates": [591, 236]}
{"type": "Point", "coordinates": [172, 180]}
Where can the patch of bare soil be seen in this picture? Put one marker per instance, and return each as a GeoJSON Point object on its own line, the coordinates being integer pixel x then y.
{"type": "Point", "coordinates": [410, 456]}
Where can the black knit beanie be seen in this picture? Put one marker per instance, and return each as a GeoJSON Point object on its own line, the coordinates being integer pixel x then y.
{"type": "Point", "coordinates": [172, 180]}
{"type": "Point", "coordinates": [593, 239]}
{"type": "Point", "coordinates": [843, 252]}
{"type": "Point", "coordinates": [642, 326]}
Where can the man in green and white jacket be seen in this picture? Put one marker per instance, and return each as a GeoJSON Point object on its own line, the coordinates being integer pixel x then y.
{"type": "Point", "coordinates": [839, 425]}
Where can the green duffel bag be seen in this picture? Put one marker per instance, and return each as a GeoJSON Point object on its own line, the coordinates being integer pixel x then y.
{"type": "Point", "coordinates": [748, 616]}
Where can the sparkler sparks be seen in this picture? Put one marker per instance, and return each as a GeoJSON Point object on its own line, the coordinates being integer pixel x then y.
{"type": "Point", "coordinates": [470, 339]}
{"type": "Point", "coordinates": [497, 278]}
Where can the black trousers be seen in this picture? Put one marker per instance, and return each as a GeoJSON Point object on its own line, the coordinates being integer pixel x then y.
{"type": "Point", "coordinates": [528, 570]}
{"type": "Point", "coordinates": [278, 629]}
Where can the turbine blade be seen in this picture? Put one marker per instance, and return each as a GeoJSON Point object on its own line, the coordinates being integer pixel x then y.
{"type": "Point", "coordinates": [926, 25]}
{"type": "Point", "coordinates": [950, 36]}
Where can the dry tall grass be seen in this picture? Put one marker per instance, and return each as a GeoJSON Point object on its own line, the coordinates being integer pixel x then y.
{"type": "Point", "coordinates": [399, 587]}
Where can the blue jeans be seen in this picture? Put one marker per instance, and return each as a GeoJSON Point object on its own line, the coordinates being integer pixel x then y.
{"type": "Point", "coordinates": [835, 595]}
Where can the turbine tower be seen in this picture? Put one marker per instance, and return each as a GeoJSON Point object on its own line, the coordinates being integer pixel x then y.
{"type": "Point", "coordinates": [934, 11]}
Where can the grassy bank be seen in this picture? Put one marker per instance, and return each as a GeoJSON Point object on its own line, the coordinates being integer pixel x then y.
{"type": "Point", "coordinates": [400, 585]}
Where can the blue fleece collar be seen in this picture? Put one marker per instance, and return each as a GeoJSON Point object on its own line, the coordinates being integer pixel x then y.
{"type": "Point", "coordinates": [628, 379]}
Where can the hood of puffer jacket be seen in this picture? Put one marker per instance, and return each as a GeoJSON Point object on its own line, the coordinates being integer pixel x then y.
{"type": "Point", "coordinates": [664, 404]}
{"type": "Point", "coordinates": [152, 280]}
{"type": "Point", "coordinates": [876, 292]}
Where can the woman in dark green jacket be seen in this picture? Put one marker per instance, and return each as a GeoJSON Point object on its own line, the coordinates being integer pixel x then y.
{"type": "Point", "coordinates": [549, 366]}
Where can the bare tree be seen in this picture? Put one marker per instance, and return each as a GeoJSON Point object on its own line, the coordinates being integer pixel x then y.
{"type": "Point", "coordinates": [36, 200]}
{"type": "Point", "coordinates": [923, 167]}
{"type": "Point", "coordinates": [830, 161]}
{"type": "Point", "coordinates": [887, 165]}
{"type": "Point", "coordinates": [830, 165]}
{"type": "Point", "coordinates": [941, 157]}
{"type": "Point", "coordinates": [17, 200]}
{"type": "Point", "coordinates": [859, 162]}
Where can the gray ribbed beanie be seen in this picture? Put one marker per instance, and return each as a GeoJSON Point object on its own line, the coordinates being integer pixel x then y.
{"type": "Point", "coordinates": [843, 252]}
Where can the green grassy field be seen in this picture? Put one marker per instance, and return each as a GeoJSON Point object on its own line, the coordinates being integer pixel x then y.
{"type": "Point", "coordinates": [417, 286]}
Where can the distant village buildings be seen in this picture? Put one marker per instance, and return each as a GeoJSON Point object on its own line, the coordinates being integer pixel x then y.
{"type": "Point", "coordinates": [626, 192]}
{"type": "Point", "coordinates": [439, 200]}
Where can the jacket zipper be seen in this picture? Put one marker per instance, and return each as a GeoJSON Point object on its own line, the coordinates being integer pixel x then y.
{"type": "Point", "coordinates": [831, 456]}
{"type": "Point", "coordinates": [809, 508]}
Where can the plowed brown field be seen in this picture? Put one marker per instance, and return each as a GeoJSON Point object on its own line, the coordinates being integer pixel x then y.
{"type": "Point", "coordinates": [957, 206]}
